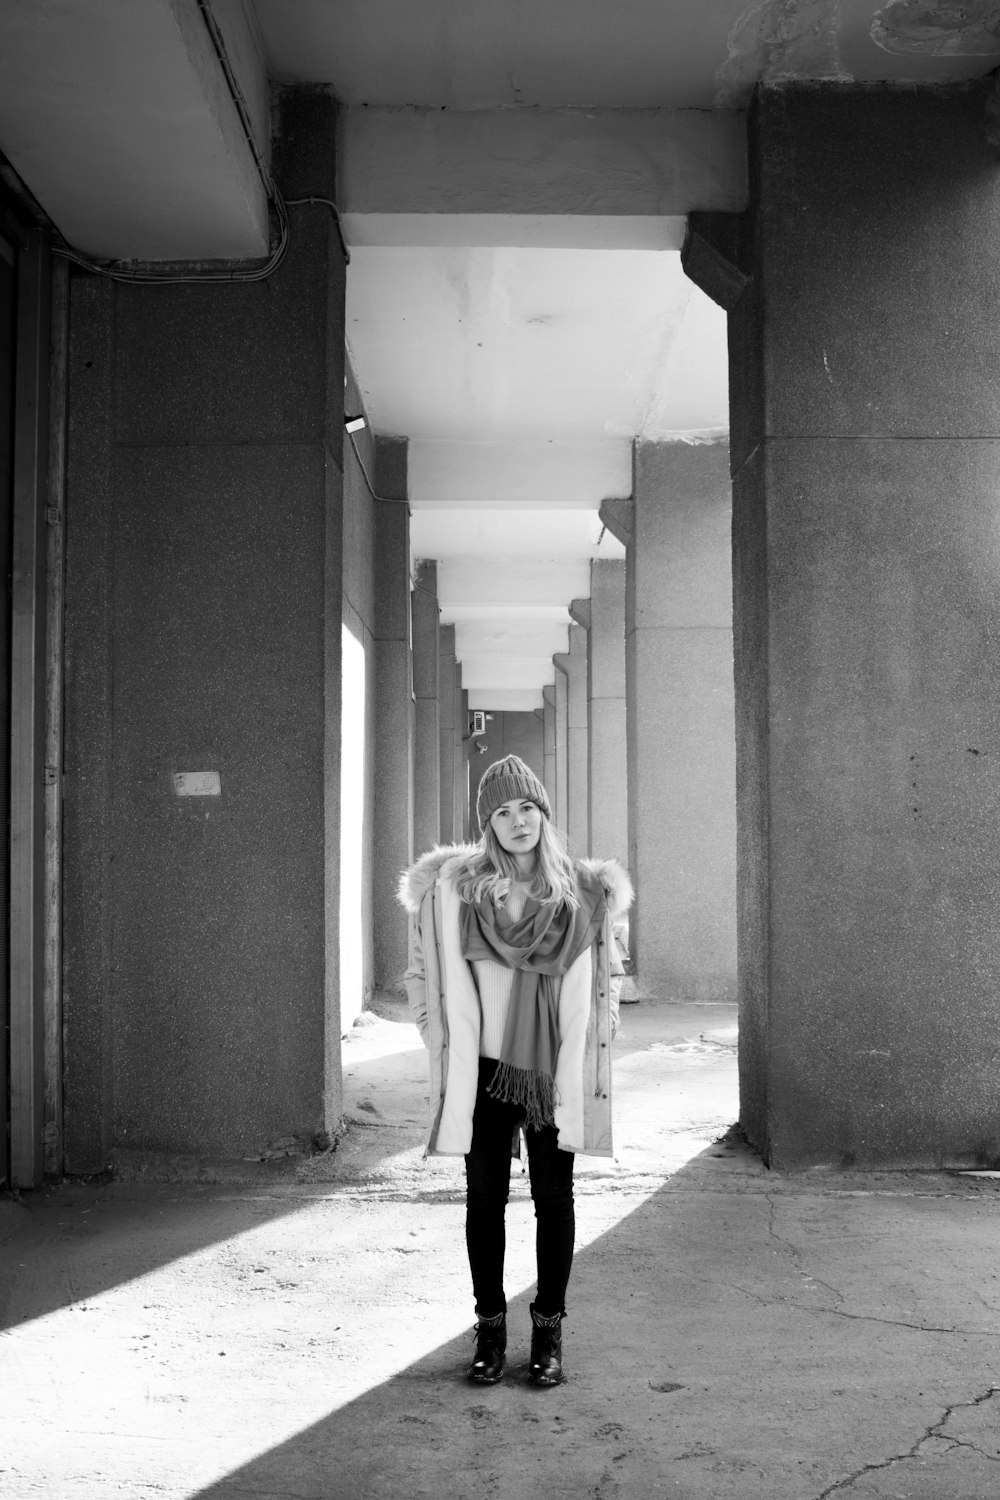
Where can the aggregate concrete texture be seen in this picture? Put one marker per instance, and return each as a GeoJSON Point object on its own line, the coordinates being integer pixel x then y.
{"type": "Point", "coordinates": [299, 1329]}
{"type": "Point", "coordinates": [425, 636]}
{"type": "Point", "coordinates": [607, 784]}
{"type": "Point", "coordinates": [865, 562]}
{"type": "Point", "coordinates": [573, 663]}
{"type": "Point", "coordinates": [680, 715]}
{"type": "Point", "coordinates": [203, 504]}
{"type": "Point", "coordinates": [393, 770]}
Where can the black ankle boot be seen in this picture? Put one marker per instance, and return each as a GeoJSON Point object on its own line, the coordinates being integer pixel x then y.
{"type": "Point", "coordinates": [491, 1350]}
{"type": "Point", "coordinates": [545, 1367]}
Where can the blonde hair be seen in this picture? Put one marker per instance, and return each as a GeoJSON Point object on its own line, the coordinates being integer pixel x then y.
{"type": "Point", "coordinates": [490, 872]}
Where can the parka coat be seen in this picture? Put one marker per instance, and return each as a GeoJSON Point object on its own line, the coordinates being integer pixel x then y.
{"type": "Point", "coordinates": [444, 1002]}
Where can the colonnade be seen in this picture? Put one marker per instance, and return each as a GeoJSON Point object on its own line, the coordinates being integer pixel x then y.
{"type": "Point", "coordinates": [635, 737]}
{"type": "Point", "coordinates": [221, 535]}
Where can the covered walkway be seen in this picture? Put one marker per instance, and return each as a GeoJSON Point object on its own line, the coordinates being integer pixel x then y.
{"type": "Point", "coordinates": [733, 1333]}
{"type": "Point", "coordinates": [398, 385]}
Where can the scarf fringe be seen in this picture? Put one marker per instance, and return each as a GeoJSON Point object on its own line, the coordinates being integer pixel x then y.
{"type": "Point", "coordinates": [533, 1092]}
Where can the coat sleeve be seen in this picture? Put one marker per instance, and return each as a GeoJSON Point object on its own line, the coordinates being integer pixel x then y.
{"type": "Point", "coordinates": [415, 978]}
{"type": "Point", "coordinates": [617, 975]}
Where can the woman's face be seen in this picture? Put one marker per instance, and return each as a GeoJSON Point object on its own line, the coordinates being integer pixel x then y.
{"type": "Point", "coordinates": [517, 825]}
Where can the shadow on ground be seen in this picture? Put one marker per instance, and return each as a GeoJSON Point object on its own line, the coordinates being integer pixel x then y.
{"type": "Point", "coordinates": [732, 1334]}
{"type": "Point", "coordinates": [725, 1338]}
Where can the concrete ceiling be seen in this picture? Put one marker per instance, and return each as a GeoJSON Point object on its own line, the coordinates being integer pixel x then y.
{"type": "Point", "coordinates": [535, 345]}
{"type": "Point", "coordinates": [522, 377]}
{"type": "Point", "coordinates": [701, 54]}
{"type": "Point", "coordinates": [515, 176]}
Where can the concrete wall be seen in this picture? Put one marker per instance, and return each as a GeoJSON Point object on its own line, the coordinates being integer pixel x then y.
{"type": "Point", "coordinates": [203, 554]}
{"type": "Point", "coordinates": [866, 457]}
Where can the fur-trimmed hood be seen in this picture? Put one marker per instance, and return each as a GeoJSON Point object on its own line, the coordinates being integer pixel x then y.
{"type": "Point", "coordinates": [415, 882]}
{"type": "Point", "coordinates": [615, 881]}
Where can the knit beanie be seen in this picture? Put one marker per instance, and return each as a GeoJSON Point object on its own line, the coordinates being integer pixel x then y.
{"type": "Point", "coordinates": [502, 782]}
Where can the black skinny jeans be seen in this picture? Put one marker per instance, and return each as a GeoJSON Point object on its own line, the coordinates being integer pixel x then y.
{"type": "Point", "coordinates": [487, 1176]}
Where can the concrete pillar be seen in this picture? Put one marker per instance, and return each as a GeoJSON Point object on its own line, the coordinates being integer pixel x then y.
{"type": "Point", "coordinates": [549, 742]}
{"type": "Point", "coordinates": [574, 664]}
{"type": "Point", "coordinates": [608, 779]}
{"type": "Point", "coordinates": [560, 717]}
{"type": "Point", "coordinates": [864, 294]}
{"type": "Point", "coordinates": [681, 744]}
{"type": "Point", "coordinates": [448, 715]}
{"type": "Point", "coordinates": [460, 760]}
{"type": "Point", "coordinates": [394, 714]}
{"type": "Point", "coordinates": [470, 828]}
{"type": "Point", "coordinates": [426, 627]}
{"type": "Point", "coordinates": [203, 639]}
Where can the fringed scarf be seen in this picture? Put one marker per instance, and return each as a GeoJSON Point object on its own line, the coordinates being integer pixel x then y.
{"type": "Point", "coordinates": [540, 947]}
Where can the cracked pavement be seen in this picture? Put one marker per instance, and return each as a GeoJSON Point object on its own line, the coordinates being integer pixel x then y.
{"type": "Point", "coordinates": [300, 1331]}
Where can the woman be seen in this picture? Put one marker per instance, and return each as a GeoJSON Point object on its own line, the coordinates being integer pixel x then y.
{"type": "Point", "coordinates": [510, 984]}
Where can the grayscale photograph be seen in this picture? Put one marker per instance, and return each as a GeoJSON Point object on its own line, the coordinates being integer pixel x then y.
{"type": "Point", "coordinates": [500, 749]}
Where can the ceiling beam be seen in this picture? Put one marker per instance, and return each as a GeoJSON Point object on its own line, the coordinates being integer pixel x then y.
{"type": "Point", "coordinates": [120, 121]}
{"type": "Point", "coordinates": [512, 473]}
{"type": "Point", "coordinates": [543, 167]}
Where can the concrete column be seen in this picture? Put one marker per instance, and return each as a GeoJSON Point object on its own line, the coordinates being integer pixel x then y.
{"type": "Point", "coordinates": [561, 723]}
{"type": "Point", "coordinates": [426, 627]}
{"type": "Point", "coordinates": [394, 714]}
{"type": "Point", "coordinates": [681, 747]}
{"type": "Point", "coordinates": [574, 664]}
{"type": "Point", "coordinates": [864, 294]}
{"type": "Point", "coordinates": [460, 759]}
{"type": "Point", "coordinates": [608, 779]}
{"type": "Point", "coordinates": [448, 715]}
{"type": "Point", "coordinates": [549, 742]}
{"type": "Point", "coordinates": [202, 749]}
{"type": "Point", "coordinates": [470, 828]}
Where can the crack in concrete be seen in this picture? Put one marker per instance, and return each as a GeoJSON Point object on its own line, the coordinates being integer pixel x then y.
{"type": "Point", "coordinates": [841, 1312]}
{"type": "Point", "coordinates": [838, 1312]}
{"type": "Point", "coordinates": [796, 1253]}
{"type": "Point", "coordinates": [931, 1434]}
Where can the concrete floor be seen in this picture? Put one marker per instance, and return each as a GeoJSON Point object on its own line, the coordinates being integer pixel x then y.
{"type": "Point", "coordinates": [297, 1330]}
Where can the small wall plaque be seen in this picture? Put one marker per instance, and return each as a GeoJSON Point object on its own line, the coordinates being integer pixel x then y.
{"type": "Point", "coordinates": [197, 784]}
